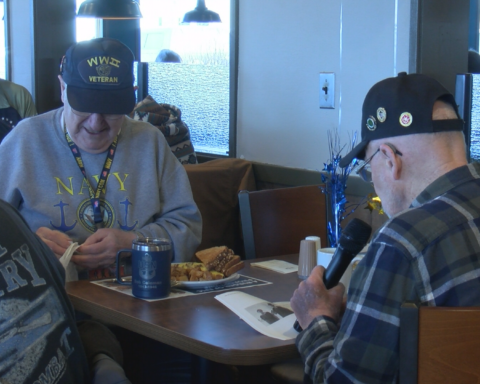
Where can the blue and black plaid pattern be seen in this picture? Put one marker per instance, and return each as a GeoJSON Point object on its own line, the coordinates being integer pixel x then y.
{"type": "Point", "coordinates": [429, 253]}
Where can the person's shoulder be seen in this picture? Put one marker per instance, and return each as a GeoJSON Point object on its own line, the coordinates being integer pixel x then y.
{"type": "Point", "coordinates": [14, 88]}
{"type": "Point", "coordinates": [46, 120]}
{"type": "Point", "coordinates": [34, 128]}
{"type": "Point", "coordinates": [11, 84]}
{"type": "Point", "coordinates": [9, 214]}
{"type": "Point", "coordinates": [414, 219]}
{"type": "Point", "coordinates": [6, 209]}
{"type": "Point", "coordinates": [416, 227]}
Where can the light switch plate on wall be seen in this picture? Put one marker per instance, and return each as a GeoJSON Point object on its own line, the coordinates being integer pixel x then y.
{"type": "Point", "coordinates": [327, 90]}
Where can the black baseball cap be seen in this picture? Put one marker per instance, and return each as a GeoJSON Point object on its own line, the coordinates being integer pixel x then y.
{"type": "Point", "coordinates": [400, 106]}
{"type": "Point", "coordinates": [99, 76]}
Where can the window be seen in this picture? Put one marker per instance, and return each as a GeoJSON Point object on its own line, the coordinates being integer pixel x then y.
{"type": "Point", "coordinates": [87, 28]}
{"type": "Point", "coordinates": [473, 137]}
{"type": "Point", "coordinates": [200, 84]}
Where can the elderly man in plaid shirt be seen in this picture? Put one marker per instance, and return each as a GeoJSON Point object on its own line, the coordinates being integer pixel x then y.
{"type": "Point", "coordinates": [413, 150]}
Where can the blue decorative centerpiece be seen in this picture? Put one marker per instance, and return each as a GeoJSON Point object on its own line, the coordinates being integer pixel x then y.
{"type": "Point", "coordinates": [335, 180]}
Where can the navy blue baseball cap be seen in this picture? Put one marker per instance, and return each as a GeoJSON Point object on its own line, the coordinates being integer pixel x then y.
{"type": "Point", "coordinates": [99, 76]}
{"type": "Point", "coordinates": [402, 105]}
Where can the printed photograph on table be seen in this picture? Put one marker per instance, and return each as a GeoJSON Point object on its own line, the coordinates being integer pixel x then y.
{"type": "Point", "coordinates": [268, 312]}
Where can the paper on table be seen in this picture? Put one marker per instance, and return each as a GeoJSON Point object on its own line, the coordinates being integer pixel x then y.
{"type": "Point", "coordinates": [71, 273]}
{"type": "Point", "coordinates": [271, 319]}
{"type": "Point", "coordinates": [277, 266]}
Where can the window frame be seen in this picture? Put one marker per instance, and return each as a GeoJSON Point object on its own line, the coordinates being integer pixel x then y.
{"type": "Point", "coordinates": [234, 50]}
{"type": "Point", "coordinates": [128, 31]}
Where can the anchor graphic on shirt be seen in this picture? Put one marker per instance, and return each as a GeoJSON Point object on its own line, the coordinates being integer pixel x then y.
{"type": "Point", "coordinates": [126, 227]}
{"type": "Point", "coordinates": [63, 226]}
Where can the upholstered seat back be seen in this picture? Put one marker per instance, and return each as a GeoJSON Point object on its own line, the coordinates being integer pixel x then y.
{"type": "Point", "coordinates": [215, 186]}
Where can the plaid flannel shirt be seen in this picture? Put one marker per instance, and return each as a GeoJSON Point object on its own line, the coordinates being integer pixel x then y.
{"type": "Point", "coordinates": [429, 253]}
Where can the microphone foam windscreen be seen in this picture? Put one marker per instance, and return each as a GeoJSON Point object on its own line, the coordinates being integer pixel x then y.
{"type": "Point", "coordinates": [355, 235]}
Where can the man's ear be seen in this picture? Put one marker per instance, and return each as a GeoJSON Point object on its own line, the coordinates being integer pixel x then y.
{"type": "Point", "coordinates": [62, 88]}
{"type": "Point", "coordinates": [393, 162]}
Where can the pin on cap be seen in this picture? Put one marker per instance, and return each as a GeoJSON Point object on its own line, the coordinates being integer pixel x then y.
{"type": "Point", "coordinates": [381, 115]}
{"type": "Point", "coordinates": [405, 119]}
{"type": "Point", "coordinates": [371, 123]}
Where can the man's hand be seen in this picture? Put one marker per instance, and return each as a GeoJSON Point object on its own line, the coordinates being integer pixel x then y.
{"type": "Point", "coordinates": [312, 299]}
{"type": "Point", "coordinates": [57, 241]}
{"type": "Point", "coordinates": [100, 249]}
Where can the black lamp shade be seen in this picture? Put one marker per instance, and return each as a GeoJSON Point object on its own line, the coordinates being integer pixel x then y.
{"type": "Point", "coordinates": [201, 15]}
{"type": "Point", "coordinates": [110, 9]}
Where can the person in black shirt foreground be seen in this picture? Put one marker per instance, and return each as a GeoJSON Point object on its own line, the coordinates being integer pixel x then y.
{"type": "Point", "coordinates": [40, 339]}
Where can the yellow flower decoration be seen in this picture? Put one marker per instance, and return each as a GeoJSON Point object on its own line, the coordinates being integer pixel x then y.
{"type": "Point", "coordinates": [374, 203]}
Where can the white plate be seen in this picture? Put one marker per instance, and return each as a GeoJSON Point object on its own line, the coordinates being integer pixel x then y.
{"type": "Point", "coordinates": [204, 284]}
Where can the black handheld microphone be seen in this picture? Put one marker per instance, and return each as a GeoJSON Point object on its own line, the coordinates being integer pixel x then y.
{"type": "Point", "coordinates": [354, 237]}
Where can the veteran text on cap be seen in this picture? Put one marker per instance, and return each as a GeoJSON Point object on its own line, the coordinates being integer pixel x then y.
{"type": "Point", "coordinates": [99, 76]}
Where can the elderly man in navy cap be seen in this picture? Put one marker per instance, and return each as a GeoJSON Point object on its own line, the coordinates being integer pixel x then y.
{"type": "Point", "coordinates": [86, 173]}
{"type": "Point", "coordinates": [413, 150]}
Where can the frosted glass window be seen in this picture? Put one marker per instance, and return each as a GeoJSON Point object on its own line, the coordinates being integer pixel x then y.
{"type": "Point", "coordinates": [200, 83]}
{"type": "Point", "coordinates": [475, 119]}
{"type": "Point", "coordinates": [202, 94]}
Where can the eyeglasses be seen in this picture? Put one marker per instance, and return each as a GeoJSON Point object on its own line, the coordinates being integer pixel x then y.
{"type": "Point", "coordinates": [88, 114]}
{"type": "Point", "coordinates": [365, 171]}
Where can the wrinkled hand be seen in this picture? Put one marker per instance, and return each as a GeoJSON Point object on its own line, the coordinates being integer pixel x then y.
{"type": "Point", "coordinates": [57, 241]}
{"type": "Point", "coordinates": [100, 249]}
{"type": "Point", "coordinates": [312, 299]}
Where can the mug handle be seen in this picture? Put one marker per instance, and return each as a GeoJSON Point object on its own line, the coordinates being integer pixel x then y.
{"type": "Point", "coordinates": [117, 267]}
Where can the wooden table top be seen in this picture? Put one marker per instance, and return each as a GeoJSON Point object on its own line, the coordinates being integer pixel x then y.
{"type": "Point", "coordinates": [198, 324]}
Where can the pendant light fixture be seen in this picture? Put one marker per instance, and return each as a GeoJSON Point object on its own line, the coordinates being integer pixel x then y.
{"type": "Point", "coordinates": [110, 9]}
{"type": "Point", "coordinates": [201, 15]}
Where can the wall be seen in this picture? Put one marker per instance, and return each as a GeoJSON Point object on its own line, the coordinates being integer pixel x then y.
{"type": "Point", "coordinates": [284, 45]}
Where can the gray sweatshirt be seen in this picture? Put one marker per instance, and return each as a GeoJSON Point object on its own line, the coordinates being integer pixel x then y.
{"type": "Point", "coordinates": [147, 189]}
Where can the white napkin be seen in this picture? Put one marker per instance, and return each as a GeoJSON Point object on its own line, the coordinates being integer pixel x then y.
{"type": "Point", "coordinates": [71, 273]}
{"type": "Point", "coordinates": [277, 266]}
